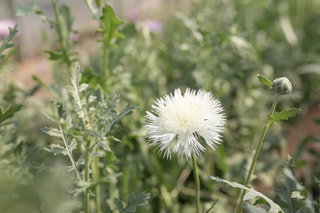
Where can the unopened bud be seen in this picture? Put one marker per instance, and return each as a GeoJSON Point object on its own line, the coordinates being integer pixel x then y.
{"type": "Point", "coordinates": [282, 86]}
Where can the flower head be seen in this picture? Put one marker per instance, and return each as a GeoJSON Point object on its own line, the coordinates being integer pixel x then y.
{"type": "Point", "coordinates": [177, 122]}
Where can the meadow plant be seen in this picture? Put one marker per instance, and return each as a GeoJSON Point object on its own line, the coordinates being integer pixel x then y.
{"type": "Point", "coordinates": [178, 122]}
{"type": "Point", "coordinates": [102, 154]}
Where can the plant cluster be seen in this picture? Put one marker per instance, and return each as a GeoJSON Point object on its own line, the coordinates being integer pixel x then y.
{"type": "Point", "coordinates": [93, 153]}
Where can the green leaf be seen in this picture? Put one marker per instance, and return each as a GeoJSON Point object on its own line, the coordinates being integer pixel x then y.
{"type": "Point", "coordinates": [110, 22]}
{"type": "Point", "coordinates": [6, 43]}
{"type": "Point", "coordinates": [251, 194]}
{"type": "Point", "coordinates": [119, 205]}
{"type": "Point", "coordinates": [52, 132]}
{"type": "Point", "coordinates": [23, 10]}
{"type": "Point", "coordinates": [265, 81]}
{"type": "Point", "coordinates": [283, 115]}
{"type": "Point", "coordinates": [9, 113]}
{"type": "Point", "coordinates": [252, 209]}
{"type": "Point", "coordinates": [56, 149]}
{"type": "Point", "coordinates": [133, 203]}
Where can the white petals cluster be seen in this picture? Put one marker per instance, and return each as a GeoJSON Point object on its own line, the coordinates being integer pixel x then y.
{"type": "Point", "coordinates": [177, 122]}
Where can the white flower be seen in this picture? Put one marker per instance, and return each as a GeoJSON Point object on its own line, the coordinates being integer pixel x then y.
{"type": "Point", "coordinates": [177, 122]}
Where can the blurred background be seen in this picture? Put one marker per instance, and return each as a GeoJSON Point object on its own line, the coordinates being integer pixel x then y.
{"type": "Point", "coordinates": [219, 46]}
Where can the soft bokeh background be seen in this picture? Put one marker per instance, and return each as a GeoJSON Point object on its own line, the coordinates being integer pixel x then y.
{"type": "Point", "coordinates": [219, 46]}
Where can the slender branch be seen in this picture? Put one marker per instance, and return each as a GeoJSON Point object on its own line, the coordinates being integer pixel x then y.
{"type": "Point", "coordinates": [69, 153]}
{"type": "Point", "coordinates": [256, 154]}
{"type": "Point", "coordinates": [196, 177]}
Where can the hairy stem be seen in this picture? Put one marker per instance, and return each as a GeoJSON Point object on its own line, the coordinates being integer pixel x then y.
{"type": "Point", "coordinates": [197, 180]}
{"type": "Point", "coordinates": [256, 154]}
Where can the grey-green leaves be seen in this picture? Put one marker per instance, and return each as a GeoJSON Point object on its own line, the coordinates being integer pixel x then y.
{"type": "Point", "coordinates": [251, 194]}
{"type": "Point", "coordinates": [135, 201]}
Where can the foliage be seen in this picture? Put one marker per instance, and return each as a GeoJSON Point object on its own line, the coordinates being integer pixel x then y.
{"type": "Point", "coordinates": [6, 43]}
{"type": "Point", "coordinates": [98, 146]}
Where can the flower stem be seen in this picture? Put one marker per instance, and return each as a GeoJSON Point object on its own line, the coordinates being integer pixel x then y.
{"type": "Point", "coordinates": [96, 176]}
{"type": "Point", "coordinates": [256, 154]}
{"type": "Point", "coordinates": [86, 179]}
{"type": "Point", "coordinates": [196, 177]}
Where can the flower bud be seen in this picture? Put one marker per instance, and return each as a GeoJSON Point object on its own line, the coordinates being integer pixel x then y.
{"type": "Point", "coordinates": [282, 86]}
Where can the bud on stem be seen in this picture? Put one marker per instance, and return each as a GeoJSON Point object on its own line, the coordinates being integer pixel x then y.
{"type": "Point", "coordinates": [282, 86]}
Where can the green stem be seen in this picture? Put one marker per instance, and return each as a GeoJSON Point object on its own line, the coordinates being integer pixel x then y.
{"type": "Point", "coordinates": [196, 177]}
{"type": "Point", "coordinates": [105, 61]}
{"type": "Point", "coordinates": [59, 31]}
{"type": "Point", "coordinates": [256, 154]}
{"type": "Point", "coordinates": [64, 46]}
{"type": "Point", "coordinates": [96, 177]}
{"type": "Point", "coordinates": [69, 153]}
{"type": "Point", "coordinates": [86, 179]}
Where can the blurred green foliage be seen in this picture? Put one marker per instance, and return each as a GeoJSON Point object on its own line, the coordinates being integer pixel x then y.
{"type": "Point", "coordinates": [219, 46]}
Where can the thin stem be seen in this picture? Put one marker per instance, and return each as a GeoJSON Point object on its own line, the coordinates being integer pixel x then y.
{"type": "Point", "coordinates": [69, 153]}
{"type": "Point", "coordinates": [105, 61]}
{"type": "Point", "coordinates": [196, 177]}
{"type": "Point", "coordinates": [96, 177]}
{"type": "Point", "coordinates": [86, 179]}
{"type": "Point", "coordinates": [56, 12]}
{"type": "Point", "coordinates": [256, 154]}
{"type": "Point", "coordinates": [62, 41]}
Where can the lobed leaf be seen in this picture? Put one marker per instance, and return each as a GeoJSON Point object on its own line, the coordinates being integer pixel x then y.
{"type": "Point", "coordinates": [110, 22]}
{"type": "Point", "coordinates": [283, 115]}
{"type": "Point", "coordinates": [6, 43]}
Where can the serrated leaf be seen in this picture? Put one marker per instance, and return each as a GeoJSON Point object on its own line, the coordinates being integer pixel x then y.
{"type": "Point", "coordinates": [9, 113]}
{"type": "Point", "coordinates": [56, 149]}
{"type": "Point", "coordinates": [6, 43]}
{"type": "Point", "coordinates": [274, 208]}
{"type": "Point", "coordinates": [52, 131]}
{"type": "Point", "coordinates": [133, 203]}
{"type": "Point", "coordinates": [265, 81]}
{"type": "Point", "coordinates": [110, 23]}
{"type": "Point", "coordinates": [283, 115]}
